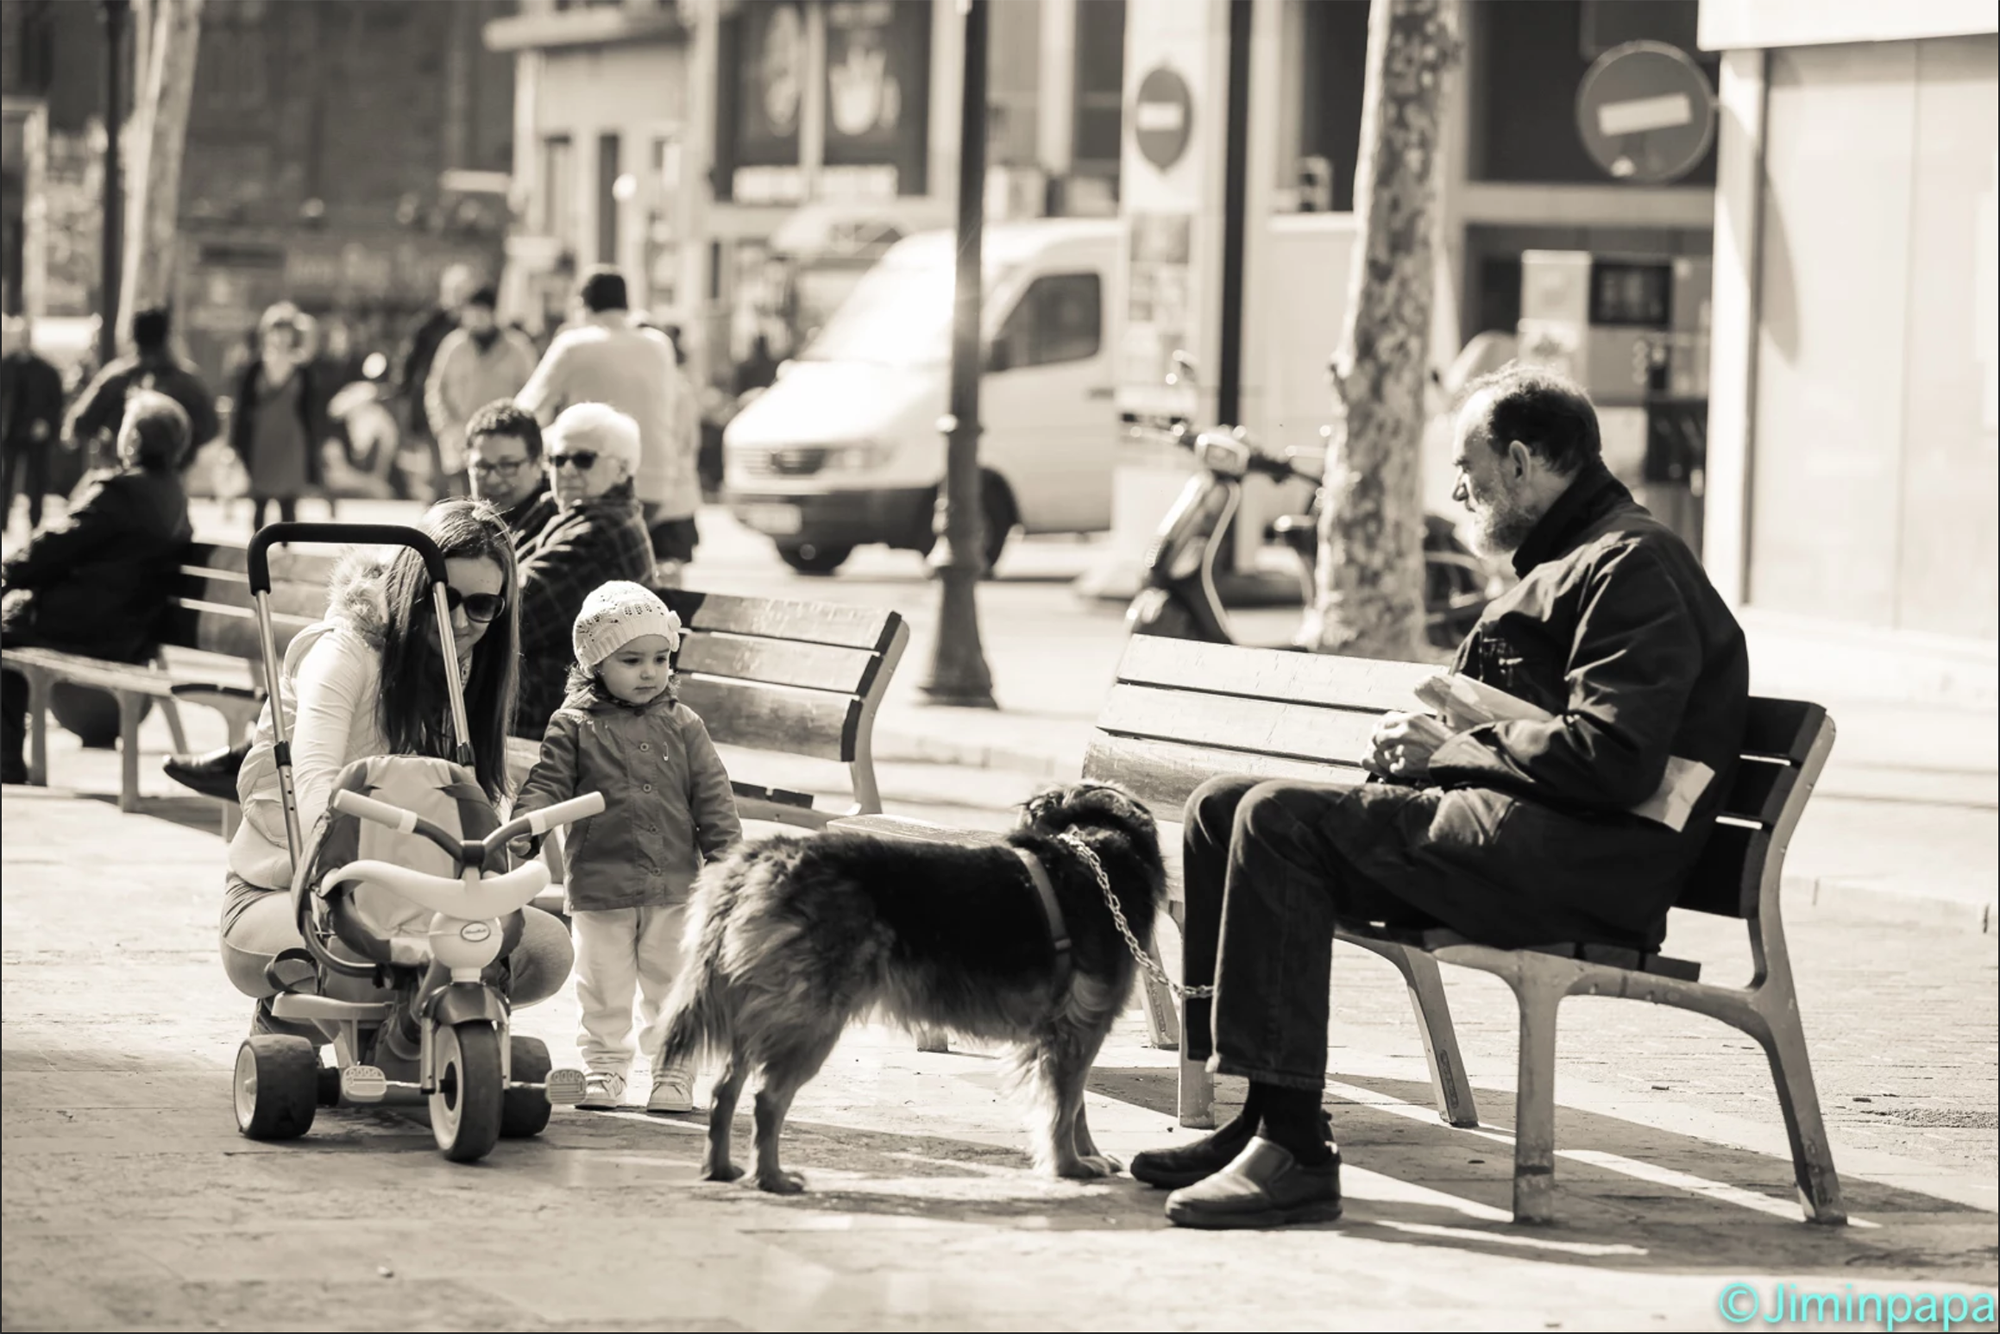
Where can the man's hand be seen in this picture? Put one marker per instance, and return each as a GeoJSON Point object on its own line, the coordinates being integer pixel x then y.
{"type": "Point", "coordinates": [1403, 744]}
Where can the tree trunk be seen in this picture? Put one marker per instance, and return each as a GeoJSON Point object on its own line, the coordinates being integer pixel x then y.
{"type": "Point", "coordinates": [1370, 578]}
{"type": "Point", "coordinates": [166, 91]}
{"type": "Point", "coordinates": [958, 672]}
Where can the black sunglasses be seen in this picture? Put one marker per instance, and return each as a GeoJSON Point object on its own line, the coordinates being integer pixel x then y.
{"type": "Point", "coordinates": [583, 459]}
{"type": "Point", "coordinates": [481, 607]}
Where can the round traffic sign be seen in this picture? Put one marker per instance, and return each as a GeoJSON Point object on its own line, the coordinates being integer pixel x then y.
{"type": "Point", "coordinates": [1163, 117]}
{"type": "Point", "coordinates": [1646, 113]}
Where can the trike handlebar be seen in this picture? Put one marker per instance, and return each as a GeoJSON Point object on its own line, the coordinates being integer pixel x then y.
{"type": "Point", "coordinates": [535, 823]}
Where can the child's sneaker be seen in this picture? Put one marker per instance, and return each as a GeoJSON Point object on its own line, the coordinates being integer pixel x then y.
{"type": "Point", "coordinates": [673, 1091]}
{"type": "Point", "coordinates": [602, 1092]}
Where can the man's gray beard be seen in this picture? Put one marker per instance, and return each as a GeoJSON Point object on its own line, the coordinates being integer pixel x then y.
{"type": "Point", "coordinates": [1501, 528]}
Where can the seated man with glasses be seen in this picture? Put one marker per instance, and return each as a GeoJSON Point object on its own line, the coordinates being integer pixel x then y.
{"type": "Point", "coordinates": [504, 455]}
{"type": "Point", "coordinates": [597, 533]}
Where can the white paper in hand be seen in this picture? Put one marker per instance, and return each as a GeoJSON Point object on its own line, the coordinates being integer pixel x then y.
{"type": "Point", "coordinates": [1466, 704]}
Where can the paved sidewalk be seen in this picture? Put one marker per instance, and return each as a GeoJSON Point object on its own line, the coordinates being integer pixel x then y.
{"type": "Point", "coordinates": [129, 1200]}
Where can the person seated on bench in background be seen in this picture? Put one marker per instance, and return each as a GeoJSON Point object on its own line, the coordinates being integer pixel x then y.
{"type": "Point", "coordinates": [504, 445]}
{"type": "Point", "coordinates": [1512, 834]}
{"type": "Point", "coordinates": [96, 581]}
{"type": "Point", "coordinates": [597, 534]}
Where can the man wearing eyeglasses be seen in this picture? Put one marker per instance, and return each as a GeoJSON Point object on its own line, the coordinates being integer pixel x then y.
{"type": "Point", "coordinates": [597, 533]}
{"type": "Point", "coordinates": [504, 453]}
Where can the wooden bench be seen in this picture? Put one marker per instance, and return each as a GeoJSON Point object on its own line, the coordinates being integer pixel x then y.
{"type": "Point", "coordinates": [208, 614]}
{"type": "Point", "coordinates": [1182, 712]}
{"type": "Point", "coordinates": [795, 678]}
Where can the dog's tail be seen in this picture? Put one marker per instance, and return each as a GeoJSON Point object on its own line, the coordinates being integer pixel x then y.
{"type": "Point", "coordinates": [698, 1010]}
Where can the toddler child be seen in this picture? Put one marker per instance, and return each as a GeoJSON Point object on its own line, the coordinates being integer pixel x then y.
{"type": "Point", "coordinates": [668, 807]}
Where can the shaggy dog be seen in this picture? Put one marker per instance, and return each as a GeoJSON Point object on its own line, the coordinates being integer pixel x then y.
{"type": "Point", "coordinates": [792, 938]}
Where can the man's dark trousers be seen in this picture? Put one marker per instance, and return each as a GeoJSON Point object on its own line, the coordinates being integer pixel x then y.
{"type": "Point", "coordinates": [1265, 887]}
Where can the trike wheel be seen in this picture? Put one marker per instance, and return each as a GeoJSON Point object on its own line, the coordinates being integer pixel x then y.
{"type": "Point", "coordinates": [465, 1110]}
{"type": "Point", "coordinates": [277, 1086]}
{"type": "Point", "coordinates": [525, 1112]}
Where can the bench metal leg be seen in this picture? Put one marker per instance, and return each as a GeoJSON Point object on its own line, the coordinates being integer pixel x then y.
{"type": "Point", "coordinates": [1195, 1095]}
{"type": "Point", "coordinates": [39, 687]}
{"type": "Point", "coordinates": [1449, 1086]}
{"type": "Point", "coordinates": [933, 1040]}
{"type": "Point", "coordinates": [128, 750]}
{"type": "Point", "coordinates": [1535, 1096]}
{"type": "Point", "coordinates": [1783, 1038]}
{"type": "Point", "coordinates": [1162, 1016]}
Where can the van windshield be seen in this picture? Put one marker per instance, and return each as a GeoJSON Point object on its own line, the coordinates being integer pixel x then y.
{"type": "Point", "coordinates": [897, 315]}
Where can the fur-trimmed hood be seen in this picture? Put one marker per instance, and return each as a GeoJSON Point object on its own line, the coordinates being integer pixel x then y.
{"type": "Point", "coordinates": [357, 595]}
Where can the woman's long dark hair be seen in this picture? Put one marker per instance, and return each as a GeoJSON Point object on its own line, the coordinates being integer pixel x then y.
{"type": "Point", "coordinates": [414, 710]}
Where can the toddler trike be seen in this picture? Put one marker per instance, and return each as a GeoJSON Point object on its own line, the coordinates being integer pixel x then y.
{"type": "Point", "coordinates": [407, 909]}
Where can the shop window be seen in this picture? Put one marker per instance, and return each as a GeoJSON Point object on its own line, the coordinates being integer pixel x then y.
{"type": "Point", "coordinates": [607, 198]}
{"type": "Point", "coordinates": [1100, 87]}
{"type": "Point", "coordinates": [559, 189]}
{"type": "Point", "coordinates": [1059, 318]}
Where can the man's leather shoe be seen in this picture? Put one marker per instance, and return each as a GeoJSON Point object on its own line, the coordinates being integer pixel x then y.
{"type": "Point", "coordinates": [1264, 1187]}
{"type": "Point", "coordinates": [1185, 1164]}
{"type": "Point", "coordinates": [212, 775]}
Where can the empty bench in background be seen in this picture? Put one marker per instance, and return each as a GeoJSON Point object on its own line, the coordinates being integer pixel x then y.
{"type": "Point", "coordinates": [1183, 712]}
{"type": "Point", "coordinates": [208, 631]}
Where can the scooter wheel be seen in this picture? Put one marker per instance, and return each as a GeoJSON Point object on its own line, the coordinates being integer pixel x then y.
{"type": "Point", "coordinates": [277, 1086]}
{"type": "Point", "coordinates": [524, 1113]}
{"type": "Point", "coordinates": [465, 1110]}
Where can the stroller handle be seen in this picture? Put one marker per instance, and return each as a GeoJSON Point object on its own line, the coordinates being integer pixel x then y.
{"type": "Point", "coordinates": [340, 534]}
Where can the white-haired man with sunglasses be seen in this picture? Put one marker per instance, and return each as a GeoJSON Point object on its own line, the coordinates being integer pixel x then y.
{"type": "Point", "coordinates": [598, 533]}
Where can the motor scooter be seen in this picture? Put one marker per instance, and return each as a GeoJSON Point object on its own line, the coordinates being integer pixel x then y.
{"type": "Point", "coordinates": [1179, 598]}
{"type": "Point", "coordinates": [397, 969]}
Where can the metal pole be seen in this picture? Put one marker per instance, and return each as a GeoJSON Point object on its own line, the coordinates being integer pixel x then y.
{"type": "Point", "coordinates": [111, 276]}
{"type": "Point", "coordinates": [959, 674]}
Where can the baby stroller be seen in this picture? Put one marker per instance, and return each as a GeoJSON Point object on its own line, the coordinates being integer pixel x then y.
{"type": "Point", "coordinates": [407, 907]}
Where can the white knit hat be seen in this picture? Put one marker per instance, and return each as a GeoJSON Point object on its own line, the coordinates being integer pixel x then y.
{"type": "Point", "coordinates": [617, 613]}
{"type": "Point", "coordinates": [597, 427]}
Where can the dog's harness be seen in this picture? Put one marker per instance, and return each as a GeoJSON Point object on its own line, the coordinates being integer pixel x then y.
{"type": "Point", "coordinates": [1045, 893]}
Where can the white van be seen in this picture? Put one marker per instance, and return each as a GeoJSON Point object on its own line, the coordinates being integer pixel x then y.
{"type": "Point", "coordinates": [844, 449]}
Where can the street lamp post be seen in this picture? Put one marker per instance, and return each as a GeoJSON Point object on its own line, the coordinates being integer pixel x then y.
{"type": "Point", "coordinates": [958, 673]}
{"type": "Point", "coordinates": [114, 13]}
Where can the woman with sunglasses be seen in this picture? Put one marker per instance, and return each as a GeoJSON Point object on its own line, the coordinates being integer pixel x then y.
{"type": "Point", "coordinates": [363, 681]}
{"type": "Point", "coordinates": [597, 534]}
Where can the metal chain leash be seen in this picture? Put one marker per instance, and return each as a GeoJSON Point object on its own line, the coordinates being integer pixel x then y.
{"type": "Point", "coordinates": [1144, 960]}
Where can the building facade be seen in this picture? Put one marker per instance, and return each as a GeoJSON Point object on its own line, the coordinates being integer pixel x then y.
{"type": "Point", "coordinates": [1852, 446]}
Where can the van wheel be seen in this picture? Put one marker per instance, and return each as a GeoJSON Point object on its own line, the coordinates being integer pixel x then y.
{"type": "Point", "coordinates": [997, 516]}
{"type": "Point", "coordinates": [811, 558]}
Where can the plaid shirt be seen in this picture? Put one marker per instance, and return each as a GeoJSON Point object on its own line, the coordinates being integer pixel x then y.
{"type": "Point", "coordinates": [561, 565]}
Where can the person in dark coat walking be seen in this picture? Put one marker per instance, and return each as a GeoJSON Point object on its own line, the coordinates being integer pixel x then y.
{"type": "Point", "coordinates": [1511, 833]}
{"type": "Point", "coordinates": [100, 408]}
{"type": "Point", "coordinates": [96, 581]}
{"type": "Point", "coordinates": [419, 352]}
{"type": "Point", "coordinates": [598, 533]}
{"type": "Point", "coordinates": [279, 420]}
{"type": "Point", "coordinates": [31, 409]}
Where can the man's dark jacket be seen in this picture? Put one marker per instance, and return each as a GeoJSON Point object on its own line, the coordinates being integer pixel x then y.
{"type": "Point", "coordinates": [96, 580]}
{"type": "Point", "coordinates": [1523, 836]}
{"type": "Point", "coordinates": [526, 516]}
{"type": "Point", "coordinates": [101, 407]}
{"type": "Point", "coordinates": [575, 551]}
{"type": "Point", "coordinates": [30, 391]}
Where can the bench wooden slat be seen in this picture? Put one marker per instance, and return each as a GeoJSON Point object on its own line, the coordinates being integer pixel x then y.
{"type": "Point", "coordinates": [1164, 774]}
{"type": "Point", "coordinates": [780, 662]}
{"type": "Point", "coordinates": [1232, 722]}
{"type": "Point", "coordinates": [801, 722]}
{"type": "Point", "coordinates": [770, 618]}
{"type": "Point", "coordinates": [1781, 727]}
{"type": "Point", "coordinates": [1299, 678]}
{"type": "Point", "coordinates": [1759, 791]}
{"type": "Point", "coordinates": [305, 565]}
{"type": "Point", "coordinates": [223, 590]}
{"type": "Point", "coordinates": [227, 630]}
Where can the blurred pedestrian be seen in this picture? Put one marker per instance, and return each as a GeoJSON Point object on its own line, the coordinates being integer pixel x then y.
{"type": "Point", "coordinates": [597, 533]}
{"type": "Point", "coordinates": [477, 363]}
{"type": "Point", "coordinates": [504, 446]}
{"type": "Point", "coordinates": [95, 581]}
{"type": "Point", "coordinates": [278, 422]}
{"type": "Point", "coordinates": [100, 408]}
{"type": "Point", "coordinates": [608, 358]}
{"type": "Point", "coordinates": [31, 409]}
{"type": "Point", "coordinates": [420, 349]}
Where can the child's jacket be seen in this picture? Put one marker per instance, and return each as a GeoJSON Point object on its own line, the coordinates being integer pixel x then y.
{"type": "Point", "coordinates": [668, 805]}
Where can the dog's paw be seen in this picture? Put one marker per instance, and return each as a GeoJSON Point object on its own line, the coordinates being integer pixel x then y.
{"type": "Point", "coordinates": [781, 1183]}
{"type": "Point", "coordinates": [726, 1172]}
{"type": "Point", "coordinates": [1088, 1168]}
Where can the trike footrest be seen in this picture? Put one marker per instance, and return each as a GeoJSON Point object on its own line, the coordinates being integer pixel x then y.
{"type": "Point", "coordinates": [363, 1084]}
{"type": "Point", "coordinates": [564, 1087]}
